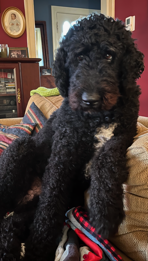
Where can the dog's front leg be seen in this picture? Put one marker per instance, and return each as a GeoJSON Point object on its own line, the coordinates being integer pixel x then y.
{"type": "Point", "coordinates": [24, 159]}
{"type": "Point", "coordinates": [108, 173]}
{"type": "Point", "coordinates": [15, 172]}
{"type": "Point", "coordinates": [67, 158]}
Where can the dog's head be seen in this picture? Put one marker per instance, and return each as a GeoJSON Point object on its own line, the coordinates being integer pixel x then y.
{"type": "Point", "coordinates": [96, 64]}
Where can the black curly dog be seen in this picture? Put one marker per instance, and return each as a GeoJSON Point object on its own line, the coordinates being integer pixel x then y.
{"type": "Point", "coordinates": [96, 68]}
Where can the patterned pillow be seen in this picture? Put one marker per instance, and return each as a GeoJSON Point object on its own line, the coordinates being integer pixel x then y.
{"type": "Point", "coordinates": [18, 129]}
{"type": "Point", "coordinates": [6, 140]}
{"type": "Point", "coordinates": [8, 134]}
{"type": "Point", "coordinates": [34, 115]}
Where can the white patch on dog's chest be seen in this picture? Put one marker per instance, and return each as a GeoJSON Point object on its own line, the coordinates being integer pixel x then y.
{"type": "Point", "coordinates": [102, 135]}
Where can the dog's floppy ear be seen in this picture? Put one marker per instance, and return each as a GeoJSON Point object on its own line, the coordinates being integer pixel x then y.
{"type": "Point", "coordinates": [137, 63]}
{"type": "Point", "coordinates": [60, 72]}
{"type": "Point", "coordinates": [133, 64]}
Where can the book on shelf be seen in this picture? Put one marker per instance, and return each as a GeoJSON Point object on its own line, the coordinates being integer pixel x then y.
{"type": "Point", "coordinates": [2, 88]}
{"type": "Point", "coordinates": [10, 87]}
{"type": "Point", "coordinates": [6, 75]}
{"type": "Point", "coordinates": [10, 90]}
{"type": "Point", "coordinates": [10, 84]}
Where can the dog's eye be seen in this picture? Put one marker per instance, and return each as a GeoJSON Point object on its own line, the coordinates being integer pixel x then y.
{"type": "Point", "coordinates": [80, 58]}
{"type": "Point", "coordinates": [108, 57]}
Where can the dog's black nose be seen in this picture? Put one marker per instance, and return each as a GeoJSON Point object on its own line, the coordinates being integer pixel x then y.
{"type": "Point", "coordinates": [90, 100]}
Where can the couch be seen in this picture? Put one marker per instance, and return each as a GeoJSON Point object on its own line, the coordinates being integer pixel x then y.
{"type": "Point", "coordinates": [131, 240]}
{"type": "Point", "coordinates": [47, 105]}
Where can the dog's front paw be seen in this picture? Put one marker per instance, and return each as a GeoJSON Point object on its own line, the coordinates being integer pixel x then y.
{"type": "Point", "coordinates": [107, 220]}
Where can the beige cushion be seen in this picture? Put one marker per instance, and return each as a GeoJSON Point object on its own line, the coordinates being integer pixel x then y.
{"type": "Point", "coordinates": [10, 121]}
{"type": "Point", "coordinates": [55, 100]}
{"type": "Point", "coordinates": [132, 237]}
{"type": "Point", "coordinates": [125, 258]}
{"type": "Point", "coordinates": [47, 105]}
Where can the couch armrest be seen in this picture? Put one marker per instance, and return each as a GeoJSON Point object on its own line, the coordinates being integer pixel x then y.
{"type": "Point", "coordinates": [10, 121]}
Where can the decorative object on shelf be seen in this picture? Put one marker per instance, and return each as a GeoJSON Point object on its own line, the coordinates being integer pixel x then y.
{"type": "Point", "coordinates": [13, 22]}
{"type": "Point", "coordinates": [18, 52]}
{"type": "Point", "coordinates": [3, 50]}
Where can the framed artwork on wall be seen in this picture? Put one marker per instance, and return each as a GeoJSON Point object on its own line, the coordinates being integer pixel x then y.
{"type": "Point", "coordinates": [13, 22]}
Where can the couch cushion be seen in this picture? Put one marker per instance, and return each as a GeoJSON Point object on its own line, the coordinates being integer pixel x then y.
{"type": "Point", "coordinates": [47, 105]}
{"type": "Point", "coordinates": [132, 237]}
{"type": "Point", "coordinates": [34, 115]}
{"type": "Point", "coordinates": [55, 100]}
{"type": "Point", "coordinates": [11, 121]}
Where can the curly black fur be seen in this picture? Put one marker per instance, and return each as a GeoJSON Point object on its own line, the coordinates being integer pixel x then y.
{"type": "Point", "coordinates": [96, 68]}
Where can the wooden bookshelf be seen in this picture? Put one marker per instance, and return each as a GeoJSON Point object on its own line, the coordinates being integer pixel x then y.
{"type": "Point", "coordinates": [26, 78]}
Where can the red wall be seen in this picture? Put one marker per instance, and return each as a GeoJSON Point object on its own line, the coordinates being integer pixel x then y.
{"type": "Point", "coordinates": [4, 38]}
{"type": "Point", "coordinates": [123, 9]}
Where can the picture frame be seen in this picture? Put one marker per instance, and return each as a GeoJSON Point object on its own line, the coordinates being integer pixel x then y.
{"type": "Point", "coordinates": [18, 52]}
{"type": "Point", "coordinates": [46, 71]}
{"type": "Point", "coordinates": [13, 22]}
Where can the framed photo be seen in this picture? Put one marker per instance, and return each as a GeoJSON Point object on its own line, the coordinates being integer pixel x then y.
{"type": "Point", "coordinates": [18, 52]}
{"type": "Point", "coordinates": [13, 22]}
{"type": "Point", "coordinates": [46, 71]}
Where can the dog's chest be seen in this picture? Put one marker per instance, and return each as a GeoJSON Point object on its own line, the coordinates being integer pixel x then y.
{"type": "Point", "coordinates": [102, 135]}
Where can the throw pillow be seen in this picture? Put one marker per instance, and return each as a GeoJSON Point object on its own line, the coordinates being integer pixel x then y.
{"type": "Point", "coordinates": [6, 140]}
{"type": "Point", "coordinates": [34, 115]}
{"type": "Point", "coordinates": [18, 129]}
{"type": "Point", "coordinates": [8, 134]}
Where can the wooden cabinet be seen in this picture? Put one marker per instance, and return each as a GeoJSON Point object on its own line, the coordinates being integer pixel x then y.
{"type": "Point", "coordinates": [18, 76]}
